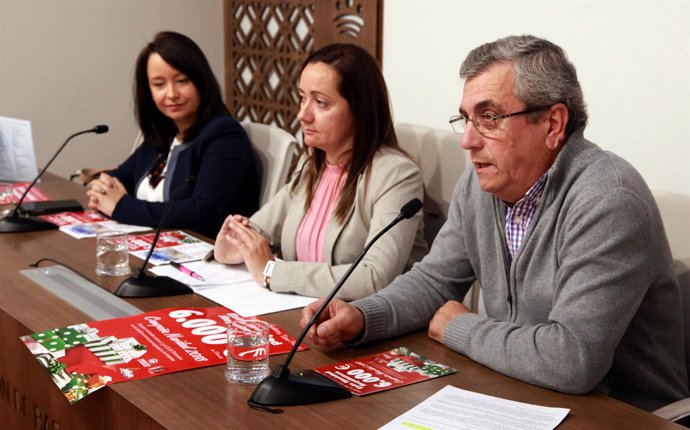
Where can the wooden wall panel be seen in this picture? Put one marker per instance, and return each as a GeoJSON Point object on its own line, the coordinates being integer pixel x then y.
{"type": "Point", "coordinates": [266, 42]}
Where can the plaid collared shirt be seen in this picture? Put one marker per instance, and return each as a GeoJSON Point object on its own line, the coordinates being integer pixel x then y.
{"type": "Point", "coordinates": [519, 216]}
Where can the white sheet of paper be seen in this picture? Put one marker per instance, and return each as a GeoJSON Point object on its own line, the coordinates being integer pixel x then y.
{"type": "Point", "coordinates": [234, 288]}
{"type": "Point", "coordinates": [214, 273]}
{"type": "Point", "coordinates": [17, 157]}
{"type": "Point", "coordinates": [249, 298]}
{"type": "Point", "coordinates": [452, 408]}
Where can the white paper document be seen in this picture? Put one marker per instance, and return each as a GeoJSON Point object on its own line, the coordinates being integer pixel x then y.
{"type": "Point", "coordinates": [17, 157]}
{"type": "Point", "coordinates": [249, 298]}
{"type": "Point", "coordinates": [454, 409]}
{"type": "Point", "coordinates": [233, 287]}
{"type": "Point", "coordinates": [213, 273]}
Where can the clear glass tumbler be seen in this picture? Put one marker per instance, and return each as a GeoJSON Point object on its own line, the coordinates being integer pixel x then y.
{"type": "Point", "coordinates": [7, 200]}
{"type": "Point", "coordinates": [112, 257]}
{"type": "Point", "coordinates": [247, 351]}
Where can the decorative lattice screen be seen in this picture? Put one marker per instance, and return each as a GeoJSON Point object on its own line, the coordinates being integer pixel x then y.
{"type": "Point", "coordinates": [267, 41]}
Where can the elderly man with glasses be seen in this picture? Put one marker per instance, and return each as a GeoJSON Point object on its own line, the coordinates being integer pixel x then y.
{"type": "Point", "coordinates": [564, 238]}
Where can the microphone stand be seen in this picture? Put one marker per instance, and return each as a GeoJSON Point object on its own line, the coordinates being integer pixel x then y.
{"type": "Point", "coordinates": [15, 222]}
{"type": "Point", "coordinates": [141, 285]}
{"type": "Point", "coordinates": [285, 388]}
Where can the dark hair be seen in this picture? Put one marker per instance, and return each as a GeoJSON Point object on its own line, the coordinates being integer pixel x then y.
{"type": "Point", "coordinates": [362, 85]}
{"type": "Point", "coordinates": [184, 55]}
{"type": "Point", "coordinates": [543, 74]}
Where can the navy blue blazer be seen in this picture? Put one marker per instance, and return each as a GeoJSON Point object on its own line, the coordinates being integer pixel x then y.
{"type": "Point", "coordinates": [221, 159]}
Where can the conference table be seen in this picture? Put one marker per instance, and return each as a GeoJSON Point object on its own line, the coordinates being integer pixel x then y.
{"type": "Point", "coordinates": [201, 398]}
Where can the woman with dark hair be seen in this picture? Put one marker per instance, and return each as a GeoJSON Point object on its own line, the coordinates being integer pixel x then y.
{"type": "Point", "coordinates": [352, 182]}
{"type": "Point", "coordinates": [193, 150]}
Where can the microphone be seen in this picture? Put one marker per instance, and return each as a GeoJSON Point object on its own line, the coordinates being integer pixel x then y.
{"type": "Point", "coordinates": [285, 388]}
{"type": "Point", "coordinates": [142, 285]}
{"type": "Point", "coordinates": [15, 222]}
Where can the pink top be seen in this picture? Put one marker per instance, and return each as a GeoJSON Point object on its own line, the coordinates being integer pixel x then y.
{"type": "Point", "coordinates": [312, 231]}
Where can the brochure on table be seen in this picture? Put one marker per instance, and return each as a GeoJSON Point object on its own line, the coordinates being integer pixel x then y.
{"type": "Point", "coordinates": [88, 224]}
{"type": "Point", "coordinates": [454, 409]}
{"type": "Point", "coordinates": [176, 246]}
{"type": "Point", "coordinates": [384, 371]}
{"type": "Point", "coordinates": [83, 358]}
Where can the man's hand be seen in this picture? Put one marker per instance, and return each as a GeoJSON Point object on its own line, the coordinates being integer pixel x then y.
{"type": "Point", "coordinates": [442, 317]}
{"type": "Point", "coordinates": [339, 322]}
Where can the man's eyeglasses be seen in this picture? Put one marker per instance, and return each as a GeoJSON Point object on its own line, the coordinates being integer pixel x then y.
{"type": "Point", "coordinates": [484, 123]}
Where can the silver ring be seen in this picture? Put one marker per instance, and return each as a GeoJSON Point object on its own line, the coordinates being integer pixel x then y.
{"type": "Point", "coordinates": [102, 190]}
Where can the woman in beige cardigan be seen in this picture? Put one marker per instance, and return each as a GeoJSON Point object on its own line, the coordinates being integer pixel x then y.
{"type": "Point", "coordinates": [351, 182]}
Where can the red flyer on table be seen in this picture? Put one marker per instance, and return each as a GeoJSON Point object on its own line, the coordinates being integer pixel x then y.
{"type": "Point", "coordinates": [166, 239]}
{"type": "Point", "coordinates": [71, 218]}
{"type": "Point", "coordinates": [384, 371]}
{"type": "Point", "coordinates": [35, 195]}
{"type": "Point", "coordinates": [83, 358]}
{"type": "Point", "coordinates": [174, 245]}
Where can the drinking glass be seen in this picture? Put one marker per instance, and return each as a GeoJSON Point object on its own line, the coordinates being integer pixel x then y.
{"type": "Point", "coordinates": [247, 351]}
{"type": "Point", "coordinates": [6, 199]}
{"type": "Point", "coordinates": [112, 258]}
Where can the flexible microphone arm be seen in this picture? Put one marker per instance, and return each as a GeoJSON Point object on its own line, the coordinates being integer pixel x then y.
{"type": "Point", "coordinates": [13, 223]}
{"type": "Point", "coordinates": [141, 285]}
{"type": "Point", "coordinates": [284, 388]}
{"type": "Point", "coordinates": [407, 211]}
{"type": "Point", "coordinates": [139, 273]}
{"type": "Point", "coordinates": [99, 129]}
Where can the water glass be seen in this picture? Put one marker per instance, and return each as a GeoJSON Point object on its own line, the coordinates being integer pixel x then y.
{"type": "Point", "coordinates": [247, 351]}
{"type": "Point", "coordinates": [6, 199]}
{"type": "Point", "coordinates": [112, 258]}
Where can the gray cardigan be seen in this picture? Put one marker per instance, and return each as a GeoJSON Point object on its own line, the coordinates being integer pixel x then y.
{"type": "Point", "coordinates": [392, 181]}
{"type": "Point", "coordinates": [589, 300]}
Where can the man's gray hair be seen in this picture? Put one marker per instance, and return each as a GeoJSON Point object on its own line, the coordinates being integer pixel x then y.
{"type": "Point", "coordinates": [543, 74]}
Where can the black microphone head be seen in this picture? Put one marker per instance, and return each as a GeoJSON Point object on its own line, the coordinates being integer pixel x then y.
{"type": "Point", "coordinates": [100, 129]}
{"type": "Point", "coordinates": [410, 208]}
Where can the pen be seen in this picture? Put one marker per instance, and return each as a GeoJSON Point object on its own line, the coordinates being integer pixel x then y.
{"type": "Point", "coordinates": [187, 271]}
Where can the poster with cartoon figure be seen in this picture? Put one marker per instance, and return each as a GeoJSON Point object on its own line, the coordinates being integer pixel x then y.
{"type": "Point", "coordinates": [384, 371]}
{"type": "Point", "coordinates": [83, 358]}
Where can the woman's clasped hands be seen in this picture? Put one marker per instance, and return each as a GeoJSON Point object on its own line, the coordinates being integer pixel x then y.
{"type": "Point", "coordinates": [104, 193]}
{"type": "Point", "coordinates": [237, 242]}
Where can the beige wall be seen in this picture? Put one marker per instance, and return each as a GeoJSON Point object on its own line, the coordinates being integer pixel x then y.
{"type": "Point", "coordinates": [632, 57]}
{"type": "Point", "coordinates": [67, 65]}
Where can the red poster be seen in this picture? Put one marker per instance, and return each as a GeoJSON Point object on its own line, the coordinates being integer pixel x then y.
{"type": "Point", "coordinates": [35, 195]}
{"type": "Point", "coordinates": [71, 218]}
{"type": "Point", "coordinates": [166, 239]}
{"type": "Point", "coordinates": [384, 371]}
{"type": "Point", "coordinates": [83, 358]}
{"type": "Point", "coordinates": [171, 246]}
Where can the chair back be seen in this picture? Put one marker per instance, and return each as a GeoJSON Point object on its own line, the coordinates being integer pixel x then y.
{"type": "Point", "coordinates": [675, 213]}
{"type": "Point", "coordinates": [275, 149]}
{"type": "Point", "coordinates": [442, 162]}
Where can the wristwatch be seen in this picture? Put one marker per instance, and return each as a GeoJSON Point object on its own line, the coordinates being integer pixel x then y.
{"type": "Point", "coordinates": [268, 272]}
